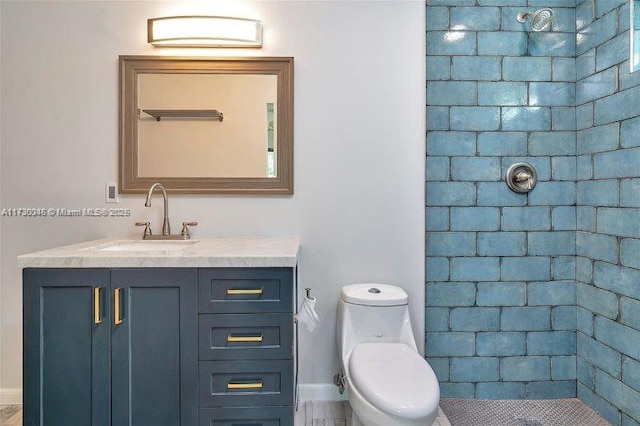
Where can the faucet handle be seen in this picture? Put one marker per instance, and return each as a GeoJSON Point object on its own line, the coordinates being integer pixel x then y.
{"type": "Point", "coordinates": [185, 229]}
{"type": "Point", "coordinates": [147, 228]}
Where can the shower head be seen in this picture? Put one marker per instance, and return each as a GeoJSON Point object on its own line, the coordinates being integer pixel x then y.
{"type": "Point", "coordinates": [540, 19]}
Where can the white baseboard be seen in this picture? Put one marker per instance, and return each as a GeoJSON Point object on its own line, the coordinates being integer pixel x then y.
{"type": "Point", "coordinates": [10, 396]}
{"type": "Point", "coordinates": [320, 392]}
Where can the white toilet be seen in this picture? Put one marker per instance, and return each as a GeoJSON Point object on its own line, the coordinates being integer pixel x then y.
{"type": "Point", "coordinates": [388, 382]}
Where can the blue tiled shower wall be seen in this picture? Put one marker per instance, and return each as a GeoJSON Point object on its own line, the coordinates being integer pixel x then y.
{"type": "Point", "coordinates": [511, 277]}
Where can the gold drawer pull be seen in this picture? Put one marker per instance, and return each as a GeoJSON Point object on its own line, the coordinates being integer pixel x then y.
{"type": "Point", "coordinates": [232, 338]}
{"type": "Point", "coordinates": [117, 308]}
{"type": "Point", "coordinates": [244, 291]}
{"type": "Point", "coordinates": [97, 316]}
{"type": "Point", "coordinates": [235, 385]}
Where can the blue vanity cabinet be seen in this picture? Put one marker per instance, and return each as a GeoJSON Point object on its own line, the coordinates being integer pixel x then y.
{"type": "Point", "coordinates": [110, 346]}
{"type": "Point", "coordinates": [246, 346]}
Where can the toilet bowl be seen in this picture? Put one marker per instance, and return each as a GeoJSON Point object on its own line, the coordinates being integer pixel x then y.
{"type": "Point", "coordinates": [388, 382]}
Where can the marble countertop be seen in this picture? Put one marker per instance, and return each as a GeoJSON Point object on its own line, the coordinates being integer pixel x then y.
{"type": "Point", "coordinates": [202, 253]}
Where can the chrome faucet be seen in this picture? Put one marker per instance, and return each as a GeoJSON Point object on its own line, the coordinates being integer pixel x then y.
{"type": "Point", "coordinates": [166, 227]}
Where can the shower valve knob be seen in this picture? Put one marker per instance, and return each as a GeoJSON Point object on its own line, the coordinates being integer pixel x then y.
{"type": "Point", "coordinates": [521, 177]}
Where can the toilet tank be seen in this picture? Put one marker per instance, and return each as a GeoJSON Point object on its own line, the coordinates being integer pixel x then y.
{"type": "Point", "coordinates": [372, 312]}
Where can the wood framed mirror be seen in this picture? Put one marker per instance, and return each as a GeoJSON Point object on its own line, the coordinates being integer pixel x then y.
{"type": "Point", "coordinates": [206, 125]}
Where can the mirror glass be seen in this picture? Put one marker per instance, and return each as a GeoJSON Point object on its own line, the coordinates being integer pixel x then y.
{"type": "Point", "coordinates": [634, 59]}
{"type": "Point", "coordinates": [206, 124]}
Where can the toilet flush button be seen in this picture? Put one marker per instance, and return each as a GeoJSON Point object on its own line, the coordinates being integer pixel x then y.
{"type": "Point", "coordinates": [374, 290]}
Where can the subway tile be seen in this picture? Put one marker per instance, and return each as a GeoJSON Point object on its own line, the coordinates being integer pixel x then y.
{"type": "Point", "coordinates": [510, 21]}
{"type": "Point", "coordinates": [475, 68]}
{"type": "Point", "coordinates": [450, 193]}
{"type": "Point", "coordinates": [526, 68]}
{"type": "Point", "coordinates": [596, 86]}
{"type": "Point", "coordinates": [502, 243]}
{"type": "Point", "coordinates": [628, 421]}
{"type": "Point", "coordinates": [563, 218]}
{"type": "Point", "coordinates": [475, 169]}
{"type": "Point", "coordinates": [599, 355]}
{"type": "Point", "coordinates": [619, 106]}
{"type": "Point", "coordinates": [437, 18]}
{"type": "Point", "coordinates": [631, 373]}
{"type": "Point", "coordinates": [597, 246]}
{"type": "Point", "coordinates": [556, 243]}
{"type": "Point", "coordinates": [630, 312]}
{"type": "Point", "coordinates": [450, 2]}
{"type": "Point", "coordinates": [551, 343]}
{"type": "Point", "coordinates": [551, 44]}
{"type": "Point", "coordinates": [500, 390]}
{"type": "Point", "coordinates": [502, 143]}
{"type": "Point", "coordinates": [596, 33]}
{"type": "Point", "coordinates": [437, 218]}
{"type": "Point", "coordinates": [585, 14]}
{"type": "Point", "coordinates": [450, 344]}
{"type": "Point", "coordinates": [501, 343]}
{"type": "Point", "coordinates": [526, 218]}
{"type": "Point", "coordinates": [440, 366]}
{"type": "Point", "coordinates": [586, 374]}
{"type": "Point", "coordinates": [599, 405]}
{"type": "Point", "coordinates": [526, 268]}
{"type": "Point", "coordinates": [624, 19]}
{"type": "Point", "coordinates": [552, 143]}
{"type": "Point", "coordinates": [630, 132]}
{"type": "Point", "coordinates": [604, 6]}
{"type": "Point", "coordinates": [563, 118]}
{"type": "Point", "coordinates": [477, 118]}
{"type": "Point", "coordinates": [619, 394]}
{"type": "Point", "coordinates": [542, 165]}
{"type": "Point", "coordinates": [475, 218]}
{"type": "Point", "coordinates": [553, 193]}
{"type": "Point", "coordinates": [598, 139]}
{"type": "Point", "coordinates": [563, 268]}
{"type": "Point", "coordinates": [616, 164]}
{"type": "Point", "coordinates": [457, 390]}
{"type": "Point", "coordinates": [563, 367]}
{"type": "Point", "coordinates": [564, 19]}
{"type": "Point", "coordinates": [437, 169]}
{"type": "Point", "coordinates": [563, 168]}
{"type": "Point", "coordinates": [475, 369]}
{"type": "Point", "coordinates": [451, 43]}
{"type": "Point", "coordinates": [501, 294]}
{"type": "Point", "coordinates": [436, 319]}
{"type": "Point", "coordinates": [450, 294]}
{"type": "Point", "coordinates": [502, 93]}
{"type": "Point", "coordinates": [502, 2]}
{"type": "Point", "coordinates": [551, 293]}
{"type": "Point", "coordinates": [475, 269]}
{"type": "Point", "coordinates": [596, 300]}
{"type": "Point", "coordinates": [597, 193]}
{"type": "Point", "coordinates": [586, 64]}
{"type": "Point", "coordinates": [549, 3]}
{"type": "Point", "coordinates": [584, 116]}
{"type": "Point", "coordinates": [552, 94]}
{"type": "Point", "coordinates": [437, 268]}
{"type": "Point", "coordinates": [502, 43]}
{"type": "Point", "coordinates": [584, 167]}
{"type": "Point", "coordinates": [451, 93]}
{"type": "Point", "coordinates": [498, 194]}
{"type": "Point", "coordinates": [621, 338]}
{"type": "Point", "coordinates": [475, 319]}
{"type": "Point", "coordinates": [437, 118]}
{"type": "Point", "coordinates": [620, 222]}
{"type": "Point", "coordinates": [526, 118]}
{"type": "Point", "coordinates": [524, 369]}
{"type": "Point", "coordinates": [475, 18]}
{"type": "Point", "coordinates": [551, 389]}
{"type": "Point", "coordinates": [438, 68]}
{"type": "Point", "coordinates": [630, 253]}
{"type": "Point", "coordinates": [584, 269]}
{"type": "Point", "coordinates": [612, 52]}
{"type": "Point", "coordinates": [564, 318]}
{"type": "Point", "coordinates": [627, 79]}
{"type": "Point", "coordinates": [526, 319]}
{"type": "Point", "coordinates": [451, 143]}
{"type": "Point", "coordinates": [451, 244]}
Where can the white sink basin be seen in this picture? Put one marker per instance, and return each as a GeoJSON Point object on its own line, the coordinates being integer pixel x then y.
{"type": "Point", "coordinates": [145, 245]}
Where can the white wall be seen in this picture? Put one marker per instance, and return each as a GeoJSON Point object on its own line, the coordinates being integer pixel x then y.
{"type": "Point", "coordinates": [358, 205]}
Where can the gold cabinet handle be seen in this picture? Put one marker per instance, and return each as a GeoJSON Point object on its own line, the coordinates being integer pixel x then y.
{"type": "Point", "coordinates": [97, 317]}
{"type": "Point", "coordinates": [244, 291]}
{"type": "Point", "coordinates": [243, 385]}
{"type": "Point", "coordinates": [232, 338]}
{"type": "Point", "coordinates": [117, 309]}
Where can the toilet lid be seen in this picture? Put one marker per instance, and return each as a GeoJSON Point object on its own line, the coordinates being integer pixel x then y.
{"type": "Point", "coordinates": [395, 379]}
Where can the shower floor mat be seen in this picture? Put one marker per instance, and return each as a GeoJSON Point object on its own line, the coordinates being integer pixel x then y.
{"type": "Point", "coordinates": [518, 412]}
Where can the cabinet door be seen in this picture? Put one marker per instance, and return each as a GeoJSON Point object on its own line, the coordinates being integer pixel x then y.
{"type": "Point", "coordinates": [154, 347]}
{"type": "Point", "coordinates": [66, 347]}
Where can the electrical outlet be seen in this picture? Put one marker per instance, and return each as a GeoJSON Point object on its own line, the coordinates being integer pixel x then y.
{"type": "Point", "coordinates": [111, 192]}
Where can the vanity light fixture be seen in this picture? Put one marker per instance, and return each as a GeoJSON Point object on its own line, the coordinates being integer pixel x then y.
{"type": "Point", "coordinates": [204, 31]}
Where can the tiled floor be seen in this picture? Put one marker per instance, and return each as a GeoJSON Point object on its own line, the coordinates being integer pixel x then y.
{"type": "Point", "coordinates": [10, 415]}
{"type": "Point", "coordinates": [336, 413]}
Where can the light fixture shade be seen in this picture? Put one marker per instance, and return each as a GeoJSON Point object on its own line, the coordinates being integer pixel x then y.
{"type": "Point", "coordinates": [204, 31]}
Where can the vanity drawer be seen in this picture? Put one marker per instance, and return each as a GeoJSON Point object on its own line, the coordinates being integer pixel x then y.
{"type": "Point", "coordinates": [245, 336]}
{"type": "Point", "coordinates": [245, 416]}
{"type": "Point", "coordinates": [245, 383]}
{"type": "Point", "coordinates": [251, 290]}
